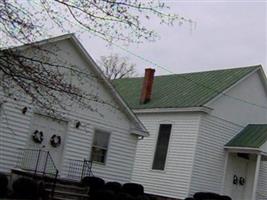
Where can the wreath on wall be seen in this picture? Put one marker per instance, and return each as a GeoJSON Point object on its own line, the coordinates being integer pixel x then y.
{"type": "Point", "coordinates": [55, 140]}
{"type": "Point", "coordinates": [38, 136]}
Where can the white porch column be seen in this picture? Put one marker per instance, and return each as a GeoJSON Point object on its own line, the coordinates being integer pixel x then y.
{"type": "Point", "coordinates": [225, 169]}
{"type": "Point", "coordinates": [255, 184]}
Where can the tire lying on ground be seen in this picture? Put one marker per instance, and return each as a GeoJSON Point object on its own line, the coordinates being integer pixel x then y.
{"type": "Point", "coordinates": [94, 183]}
{"type": "Point", "coordinates": [113, 186]}
{"type": "Point", "coordinates": [133, 189]}
{"type": "Point", "coordinates": [103, 195]}
{"type": "Point", "coordinates": [124, 196]}
{"type": "Point", "coordinates": [25, 188]}
{"type": "Point", "coordinates": [224, 197]}
{"type": "Point", "coordinates": [142, 197]}
{"type": "Point", "coordinates": [3, 185]}
{"type": "Point", "coordinates": [206, 196]}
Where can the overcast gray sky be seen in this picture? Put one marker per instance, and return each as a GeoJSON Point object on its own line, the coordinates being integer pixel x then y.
{"type": "Point", "coordinates": [228, 34]}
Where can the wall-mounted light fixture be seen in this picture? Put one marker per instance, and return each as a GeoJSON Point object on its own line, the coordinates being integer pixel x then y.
{"type": "Point", "coordinates": [78, 124]}
{"type": "Point", "coordinates": [24, 110]}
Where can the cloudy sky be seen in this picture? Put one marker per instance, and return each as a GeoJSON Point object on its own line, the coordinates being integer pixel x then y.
{"type": "Point", "coordinates": [227, 34]}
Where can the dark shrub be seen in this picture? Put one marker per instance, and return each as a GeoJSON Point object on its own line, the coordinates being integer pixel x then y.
{"type": "Point", "coordinates": [25, 188]}
{"type": "Point", "coordinates": [124, 196]}
{"type": "Point", "coordinates": [3, 181]}
{"type": "Point", "coordinates": [103, 195]}
{"type": "Point", "coordinates": [206, 196]}
{"type": "Point", "coordinates": [133, 189]}
{"type": "Point", "coordinates": [142, 197]}
{"type": "Point", "coordinates": [3, 185]}
{"type": "Point", "coordinates": [42, 193]}
{"type": "Point", "coordinates": [223, 197]}
{"type": "Point", "coordinates": [94, 183]}
{"type": "Point", "coordinates": [151, 197]}
{"type": "Point", "coordinates": [113, 186]}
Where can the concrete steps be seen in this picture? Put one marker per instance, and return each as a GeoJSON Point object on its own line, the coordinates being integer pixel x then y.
{"type": "Point", "coordinates": [68, 191]}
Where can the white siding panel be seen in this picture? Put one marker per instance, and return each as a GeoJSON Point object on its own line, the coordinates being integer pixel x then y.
{"type": "Point", "coordinates": [209, 160]}
{"type": "Point", "coordinates": [238, 106]}
{"type": "Point", "coordinates": [262, 183]}
{"type": "Point", "coordinates": [174, 180]}
{"type": "Point", "coordinates": [121, 151]}
{"type": "Point", "coordinates": [14, 127]}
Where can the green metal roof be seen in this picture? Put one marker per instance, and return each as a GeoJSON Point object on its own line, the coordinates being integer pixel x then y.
{"type": "Point", "coordinates": [181, 90]}
{"type": "Point", "coordinates": [253, 135]}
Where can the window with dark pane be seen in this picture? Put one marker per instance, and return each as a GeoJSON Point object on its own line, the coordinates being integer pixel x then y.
{"type": "Point", "coordinates": [162, 146]}
{"type": "Point", "coordinates": [100, 146]}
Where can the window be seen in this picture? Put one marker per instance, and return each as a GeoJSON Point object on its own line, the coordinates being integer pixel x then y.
{"type": "Point", "coordinates": [100, 146]}
{"type": "Point", "coordinates": [162, 146]}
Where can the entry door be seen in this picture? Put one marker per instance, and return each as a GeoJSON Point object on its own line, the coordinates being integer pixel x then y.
{"type": "Point", "coordinates": [49, 127]}
{"type": "Point", "coordinates": [239, 170]}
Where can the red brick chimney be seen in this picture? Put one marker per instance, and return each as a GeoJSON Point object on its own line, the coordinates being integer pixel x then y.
{"type": "Point", "coordinates": [147, 85]}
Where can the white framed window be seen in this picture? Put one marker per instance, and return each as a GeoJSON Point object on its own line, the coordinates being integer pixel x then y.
{"type": "Point", "coordinates": [100, 146]}
{"type": "Point", "coordinates": [161, 149]}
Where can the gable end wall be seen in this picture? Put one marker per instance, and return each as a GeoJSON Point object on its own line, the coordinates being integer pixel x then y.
{"type": "Point", "coordinates": [228, 117]}
{"type": "Point", "coordinates": [77, 145]}
{"type": "Point", "coordinates": [174, 181]}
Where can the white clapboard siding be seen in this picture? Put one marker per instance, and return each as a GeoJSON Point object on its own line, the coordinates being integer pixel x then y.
{"type": "Point", "coordinates": [237, 105]}
{"type": "Point", "coordinates": [78, 141]}
{"type": "Point", "coordinates": [175, 179]}
{"type": "Point", "coordinates": [77, 145]}
{"type": "Point", "coordinates": [262, 182]}
{"type": "Point", "coordinates": [208, 169]}
{"type": "Point", "coordinates": [121, 151]}
{"type": "Point", "coordinates": [13, 133]}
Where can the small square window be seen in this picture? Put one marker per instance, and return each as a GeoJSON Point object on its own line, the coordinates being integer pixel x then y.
{"type": "Point", "coordinates": [100, 146]}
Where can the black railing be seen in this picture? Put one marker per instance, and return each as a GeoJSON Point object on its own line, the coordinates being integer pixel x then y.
{"type": "Point", "coordinates": [87, 168]}
{"type": "Point", "coordinates": [78, 169]}
{"type": "Point", "coordinates": [40, 165]}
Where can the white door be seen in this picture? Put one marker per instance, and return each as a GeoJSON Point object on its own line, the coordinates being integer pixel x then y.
{"type": "Point", "coordinates": [237, 177]}
{"type": "Point", "coordinates": [48, 127]}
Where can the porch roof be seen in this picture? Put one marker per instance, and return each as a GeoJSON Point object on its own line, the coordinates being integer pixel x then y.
{"type": "Point", "coordinates": [253, 136]}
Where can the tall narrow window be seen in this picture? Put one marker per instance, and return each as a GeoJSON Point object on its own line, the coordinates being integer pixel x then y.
{"type": "Point", "coordinates": [162, 146]}
{"type": "Point", "coordinates": [100, 146]}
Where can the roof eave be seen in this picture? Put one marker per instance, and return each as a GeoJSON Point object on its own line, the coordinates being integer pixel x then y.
{"type": "Point", "coordinates": [204, 109]}
{"type": "Point", "coordinates": [242, 149]}
{"type": "Point", "coordinates": [139, 133]}
{"type": "Point", "coordinates": [253, 150]}
{"type": "Point", "coordinates": [40, 43]}
{"type": "Point", "coordinates": [142, 130]}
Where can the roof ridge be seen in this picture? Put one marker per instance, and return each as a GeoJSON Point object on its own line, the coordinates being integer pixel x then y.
{"type": "Point", "coordinates": [214, 70]}
{"type": "Point", "coordinates": [40, 41]}
{"type": "Point", "coordinates": [199, 72]}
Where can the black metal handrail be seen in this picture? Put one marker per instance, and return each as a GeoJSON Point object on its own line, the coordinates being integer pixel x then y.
{"type": "Point", "coordinates": [40, 164]}
{"type": "Point", "coordinates": [78, 169]}
{"type": "Point", "coordinates": [87, 169]}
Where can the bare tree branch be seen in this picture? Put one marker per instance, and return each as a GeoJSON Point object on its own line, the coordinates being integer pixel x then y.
{"type": "Point", "coordinates": [45, 81]}
{"type": "Point", "coordinates": [115, 67]}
